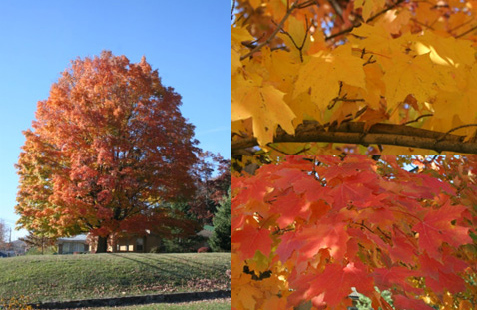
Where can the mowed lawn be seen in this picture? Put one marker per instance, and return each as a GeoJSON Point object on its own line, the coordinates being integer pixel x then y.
{"type": "Point", "coordinates": [217, 304]}
{"type": "Point", "coordinates": [65, 277]}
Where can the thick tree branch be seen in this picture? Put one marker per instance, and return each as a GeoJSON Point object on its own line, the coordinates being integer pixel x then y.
{"type": "Point", "coordinates": [354, 133]}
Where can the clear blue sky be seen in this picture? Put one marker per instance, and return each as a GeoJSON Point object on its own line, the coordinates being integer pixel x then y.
{"type": "Point", "coordinates": [187, 41]}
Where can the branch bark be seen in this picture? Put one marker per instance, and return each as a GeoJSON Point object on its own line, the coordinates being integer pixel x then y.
{"type": "Point", "coordinates": [354, 133]}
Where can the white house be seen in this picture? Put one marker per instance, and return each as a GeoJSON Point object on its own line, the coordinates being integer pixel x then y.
{"type": "Point", "coordinates": [70, 245]}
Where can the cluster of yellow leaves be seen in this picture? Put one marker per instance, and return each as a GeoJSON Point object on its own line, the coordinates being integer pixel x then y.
{"type": "Point", "coordinates": [405, 62]}
{"type": "Point", "coordinates": [259, 293]}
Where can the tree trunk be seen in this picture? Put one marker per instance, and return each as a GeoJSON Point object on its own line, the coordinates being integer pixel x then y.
{"type": "Point", "coordinates": [102, 244]}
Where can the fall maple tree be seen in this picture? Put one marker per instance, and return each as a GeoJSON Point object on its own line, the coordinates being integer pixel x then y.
{"type": "Point", "coordinates": [107, 147]}
{"type": "Point", "coordinates": [307, 230]}
{"type": "Point", "coordinates": [319, 76]}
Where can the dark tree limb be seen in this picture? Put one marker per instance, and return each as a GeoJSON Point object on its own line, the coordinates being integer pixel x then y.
{"type": "Point", "coordinates": [355, 133]}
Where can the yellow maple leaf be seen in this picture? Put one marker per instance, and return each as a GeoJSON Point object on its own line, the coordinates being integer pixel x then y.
{"type": "Point", "coordinates": [275, 302]}
{"type": "Point", "coordinates": [378, 41]}
{"type": "Point", "coordinates": [418, 76]}
{"type": "Point", "coordinates": [445, 51]}
{"type": "Point", "coordinates": [265, 105]}
{"type": "Point", "coordinates": [369, 7]}
{"type": "Point", "coordinates": [453, 109]}
{"type": "Point", "coordinates": [238, 35]}
{"type": "Point", "coordinates": [282, 68]}
{"type": "Point", "coordinates": [321, 76]}
{"type": "Point", "coordinates": [394, 20]}
{"type": "Point", "coordinates": [303, 108]}
{"type": "Point", "coordinates": [374, 85]}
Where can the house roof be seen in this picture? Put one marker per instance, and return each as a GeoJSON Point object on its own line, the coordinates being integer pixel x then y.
{"type": "Point", "coordinates": [209, 227]}
{"type": "Point", "coordinates": [81, 238]}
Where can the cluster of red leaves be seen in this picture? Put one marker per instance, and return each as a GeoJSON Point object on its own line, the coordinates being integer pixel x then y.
{"type": "Point", "coordinates": [322, 225]}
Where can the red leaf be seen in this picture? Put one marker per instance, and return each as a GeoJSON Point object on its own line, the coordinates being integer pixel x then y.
{"type": "Point", "coordinates": [436, 228]}
{"type": "Point", "coordinates": [387, 278]}
{"type": "Point", "coordinates": [290, 206]}
{"type": "Point", "coordinates": [288, 244]}
{"type": "Point", "coordinates": [409, 303]}
{"type": "Point", "coordinates": [251, 239]}
{"type": "Point", "coordinates": [336, 282]}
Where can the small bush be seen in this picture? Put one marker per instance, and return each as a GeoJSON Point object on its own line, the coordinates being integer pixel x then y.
{"type": "Point", "coordinates": [203, 249]}
{"type": "Point", "coordinates": [182, 245]}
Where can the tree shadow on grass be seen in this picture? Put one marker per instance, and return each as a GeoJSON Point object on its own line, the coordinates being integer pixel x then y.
{"type": "Point", "coordinates": [162, 270]}
{"type": "Point", "coordinates": [182, 261]}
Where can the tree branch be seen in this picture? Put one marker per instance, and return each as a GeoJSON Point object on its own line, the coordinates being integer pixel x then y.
{"type": "Point", "coordinates": [337, 8]}
{"type": "Point", "coordinates": [466, 32]}
{"type": "Point", "coordinates": [349, 29]}
{"type": "Point", "coordinates": [270, 38]}
{"type": "Point", "coordinates": [354, 133]}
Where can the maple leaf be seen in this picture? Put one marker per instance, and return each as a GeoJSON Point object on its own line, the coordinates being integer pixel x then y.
{"type": "Point", "coordinates": [324, 72]}
{"type": "Point", "coordinates": [436, 228]}
{"type": "Point", "coordinates": [349, 193]}
{"type": "Point", "coordinates": [252, 239]}
{"type": "Point", "coordinates": [369, 7]}
{"type": "Point", "coordinates": [265, 105]}
{"type": "Point", "coordinates": [290, 207]}
{"type": "Point", "coordinates": [336, 282]}
{"type": "Point", "coordinates": [417, 76]}
{"type": "Point", "coordinates": [445, 51]}
{"type": "Point", "coordinates": [410, 303]}
{"type": "Point", "coordinates": [387, 278]}
{"type": "Point", "coordinates": [289, 243]}
{"type": "Point", "coordinates": [324, 235]}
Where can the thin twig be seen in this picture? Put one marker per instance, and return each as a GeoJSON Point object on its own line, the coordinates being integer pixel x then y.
{"type": "Point", "coordinates": [348, 118]}
{"type": "Point", "coordinates": [276, 150]}
{"type": "Point", "coordinates": [299, 48]}
{"type": "Point", "coordinates": [461, 25]}
{"type": "Point", "coordinates": [422, 24]}
{"type": "Point", "coordinates": [454, 129]}
{"type": "Point", "coordinates": [270, 38]}
{"type": "Point", "coordinates": [384, 234]}
{"type": "Point", "coordinates": [349, 29]}
{"type": "Point", "coordinates": [413, 121]}
{"type": "Point", "coordinates": [343, 99]}
{"type": "Point", "coordinates": [307, 4]}
{"type": "Point", "coordinates": [369, 61]}
{"type": "Point", "coordinates": [466, 32]}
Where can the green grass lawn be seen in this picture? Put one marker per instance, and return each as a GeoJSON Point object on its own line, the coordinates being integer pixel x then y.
{"type": "Point", "coordinates": [67, 277]}
{"type": "Point", "coordinates": [217, 304]}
